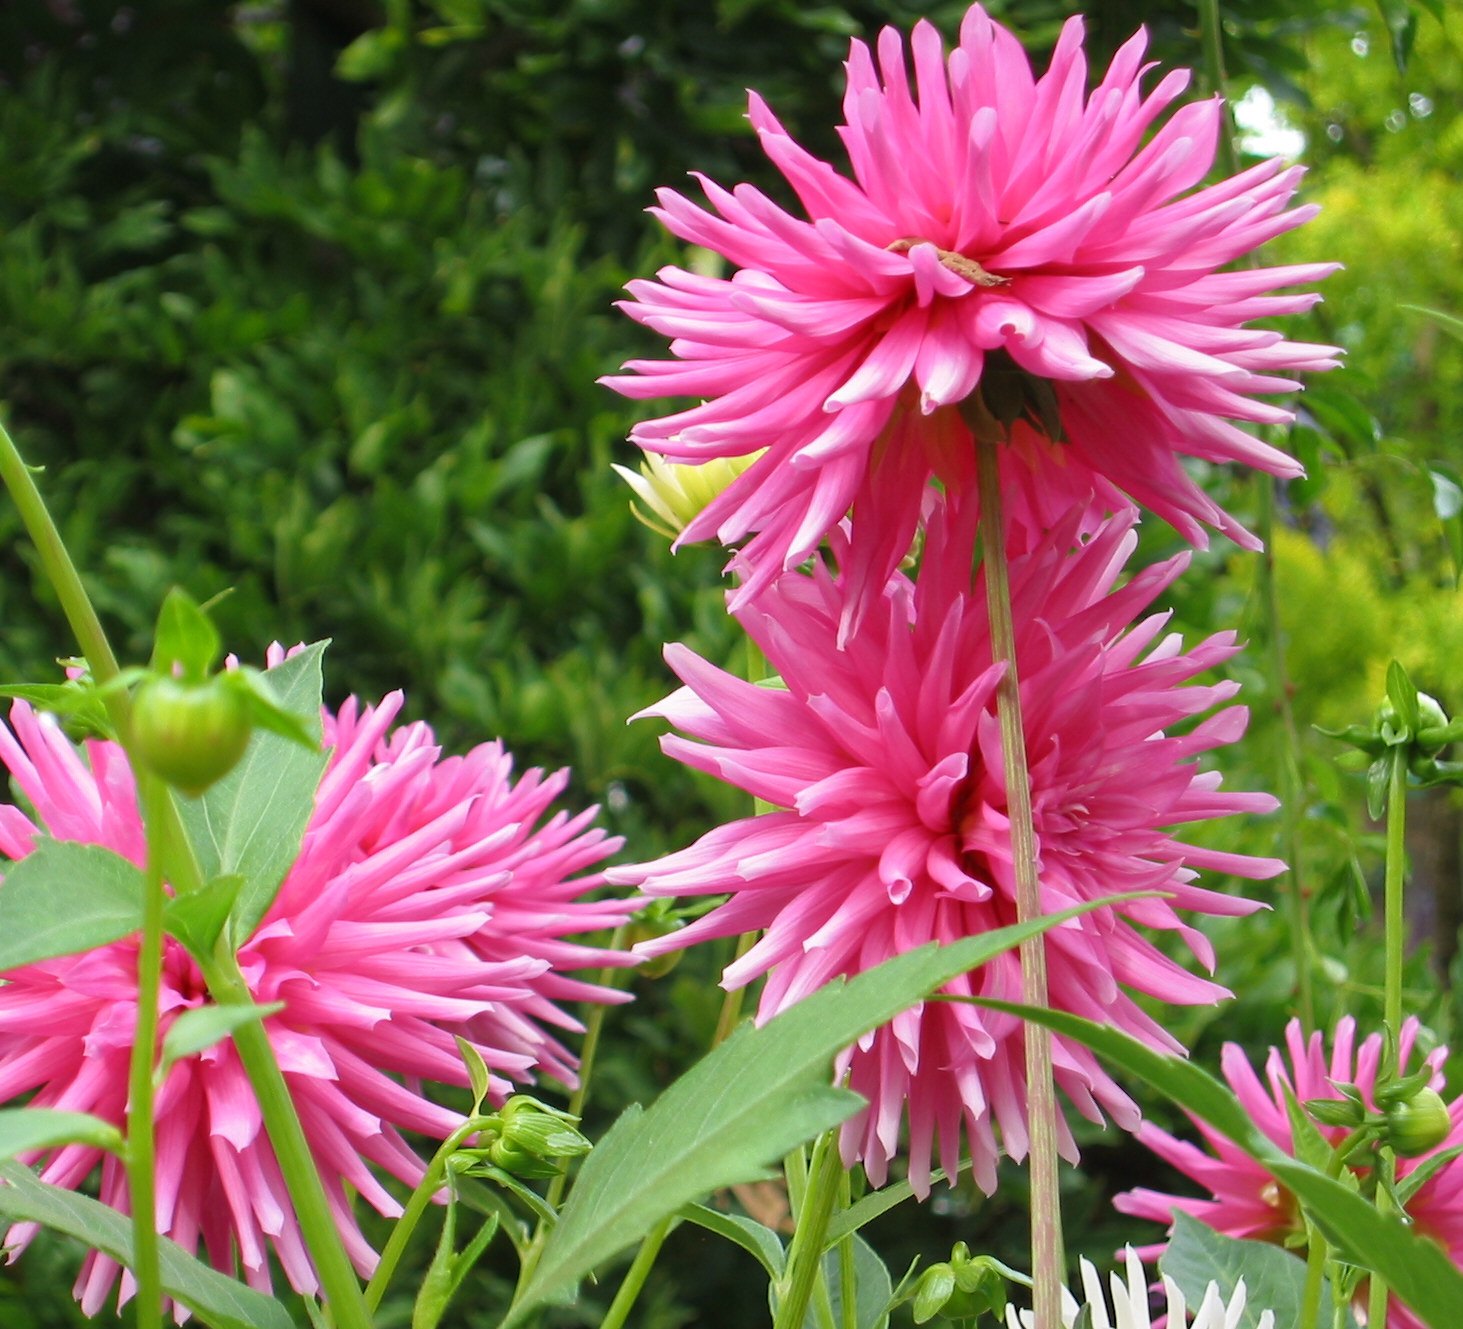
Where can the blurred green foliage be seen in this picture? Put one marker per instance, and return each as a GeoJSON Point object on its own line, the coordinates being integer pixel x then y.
{"type": "Point", "coordinates": [308, 300]}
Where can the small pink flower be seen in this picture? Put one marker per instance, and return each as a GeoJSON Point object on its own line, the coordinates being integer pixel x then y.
{"type": "Point", "coordinates": [995, 213]}
{"type": "Point", "coordinates": [428, 899]}
{"type": "Point", "coordinates": [883, 760]}
{"type": "Point", "coordinates": [1247, 1202]}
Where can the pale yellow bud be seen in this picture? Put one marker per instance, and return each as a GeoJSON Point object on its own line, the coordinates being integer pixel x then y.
{"type": "Point", "coordinates": [675, 492]}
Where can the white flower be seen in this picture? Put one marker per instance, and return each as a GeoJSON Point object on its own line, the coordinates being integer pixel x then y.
{"type": "Point", "coordinates": [1130, 1303]}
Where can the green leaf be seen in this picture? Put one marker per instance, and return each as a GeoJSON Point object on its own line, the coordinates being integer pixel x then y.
{"type": "Point", "coordinates": [753, 1237]}
{"type": "Point", "coordinates": [1415, 1267]}
{"type": "Point", "coordinates": [876, 1203]}
{"type": "Point", "coordinates": [1401, 21]}
{"type": "Point", "coordinates": [1449, 323]}
{"type": "Point", "coordinates": [215, 1298]}
{"type": "Point", "coordinates": [1378, 782]}
{"type": "Point", "coordinates": [203, 1026]}
{"type": "Point", "coordinates": [64, 897]}
{"type": "Point", "coordinates": [185, 636]}
{"type": "Point", "coordinates": [1402, 693]}
{"type": "Point", "coordinates": [24, 1129]}
{"type": "Point", "coordinates": [197, 919]}
{"type": "Point", "coordinates": [1425, 1171]}
{"type": "Point", "coordinates": [934, 1290]}
{"type": "Point", "coordinates": [77, 699]}
{"type": "Point", "coordinates": [1305, 1136]}
{"type": "Point", "coordinates": [250, 823]}
{"type": "Point", "coordinates": [1274, 1278]}
{"type": "Point", "coordinates": [739, 1110]}
{"type": "Point", "coordinates": [872, 1288]}
{"type": "Point", "coordinates": [477, 1072]}
{"type": "Point", "coordinates": [266, 711]}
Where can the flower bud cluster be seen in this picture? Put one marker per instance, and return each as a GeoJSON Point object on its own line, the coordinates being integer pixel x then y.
{"type": "Point", "coordinates": [525, 1138]}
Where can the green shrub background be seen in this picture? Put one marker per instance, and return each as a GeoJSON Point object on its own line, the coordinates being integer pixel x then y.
{"type": "Point", "coordinates": [307, 301]}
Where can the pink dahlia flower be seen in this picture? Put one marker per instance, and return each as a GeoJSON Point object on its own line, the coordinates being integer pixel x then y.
{"type": "Point", "coordinates": [991, 214]}
{"type": "Point", "coordinates": [1247, 1202]}
{"type": "Point", "coordinates": [429, 899]}
{"type": "Point", "coordinates": [884, 761]}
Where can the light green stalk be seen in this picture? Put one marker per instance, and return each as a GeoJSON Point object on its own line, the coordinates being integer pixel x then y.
{"type": "Point", "coordinates": [1047, 1259]}
{"type": "Point", "coordinates": [805, 1254]}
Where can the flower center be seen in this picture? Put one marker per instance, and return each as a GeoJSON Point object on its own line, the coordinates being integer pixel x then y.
{"type": "Point", "coordinates": [957, 263]}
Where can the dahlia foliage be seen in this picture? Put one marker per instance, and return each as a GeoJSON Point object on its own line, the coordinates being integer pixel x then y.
{"type": "Point", "coordinates": [1003, 233]}
{"type": "Point", "coordinates": [883, 758]}
{"type": "Point", "coordinates": [429, 899]}
{"type": "Point", "coordinates": [1246, 1201]}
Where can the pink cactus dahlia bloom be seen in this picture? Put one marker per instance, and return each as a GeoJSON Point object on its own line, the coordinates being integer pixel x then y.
{"type": "Point", "coordinates": [1247, 1202]}
{"type": "Point", "coordinates": [427, 901]}
{"type": "Point", "coordinates": [883, 759]}
{"type": "Point", "coordinates": [996, 215]}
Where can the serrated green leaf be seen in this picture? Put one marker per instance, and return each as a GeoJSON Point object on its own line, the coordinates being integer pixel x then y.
{"type": "Point", "coordinates": [63, 898]}
{"type": "Point", "coordinates": [740, 1109]}
{"type": "Point", "coordinates": [215, 1298]}
{"type": "Point", "coordinates": [203, 1026]}
{"type": "Point", "coordinates": [758, 1240]}
{"type": "Point", "coordinates": [1415, 1267]}
{"type": "Point", "coordinates": [251, 822]}
{"type": "Point", "coordinates": [1274, 1279]}
{"type": "Point", "coordinates": [24, 1129]}
{"type": "Point", "coordinates": [185, 637]}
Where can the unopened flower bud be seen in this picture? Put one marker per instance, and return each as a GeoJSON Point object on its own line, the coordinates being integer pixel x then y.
{"type": "Point", "coordinates": [533, 1137]}
{"type": "Point", "coordinates": [190, 734]}
{"type": "Point", "coordinates": [676, 492]}
{"type": "Point", "coordinates": [1417, 1125]}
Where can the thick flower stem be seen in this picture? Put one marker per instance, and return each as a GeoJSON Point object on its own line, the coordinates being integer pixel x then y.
{"type": "Point", "coordinates": [805, 1255]}
{"type": "Point", "coordinates": [141, 1151]}
{"type": "Point", "coordinates": [1310, 1309]}
{"type": "Point", "coordinates": [338, 1279]}
{"type": "Point", "coordinates": [1047, 1260]}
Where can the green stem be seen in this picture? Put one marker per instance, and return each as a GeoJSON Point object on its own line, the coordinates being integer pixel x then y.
{"type": "Point", "coordinates": [1298, 909]}
{"type": "Point", "coordinates": [56, 563]}
{"type": "Point", "coordinates": [635, 1277]}
{"type": "Point", "coordinates": [416, 1206]}
{"type": "Point", "coordinates": [805, 1255]}
{"type": "Point", "coordinates": [1310, 1310]}
{"type": "Point", "coordinates": [1047, 1259]}
{"type": "Point", "coordinates": [847, 1276]}
{"type": "Point", "coordinates": [338, 1280]}
{"type": "Point", "coordinates": [1396, 923]}
{"type": "Point", "coordinates": [141, 1150]}
{"type": "Point", "coordinates": [593, 1024]}
{"type": "Point", "coordinates": [1376, 1302]}
{"type": "Point", "coordinates": [1213, 46]}
{"type": "Point", "coordinates": [731, 1004]}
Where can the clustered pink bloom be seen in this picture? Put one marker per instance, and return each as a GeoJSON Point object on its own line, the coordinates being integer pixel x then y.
{"type": "Point", "coordinates": [990, 214]}
{"type": "Point", "coordinates": [429, 898]}
{"type": "Point", "coordinates": [883, 760]}
{"type": "Point", "coordinates": [1247, 1202]}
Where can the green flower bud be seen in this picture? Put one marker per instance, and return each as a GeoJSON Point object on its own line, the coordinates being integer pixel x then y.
{"type": "Point", "coordinates": [935, 1287]}
{"type": "Point", "coordinates": [1417, 1125]}
{"type": "Point", "coordinates": [190, 734]}
{"type": "Point", "coordinates": [533, 1137]}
